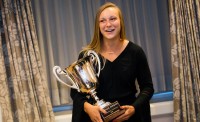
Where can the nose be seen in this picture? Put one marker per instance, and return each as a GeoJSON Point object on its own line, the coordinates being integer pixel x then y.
{"type": "Point", "coordinates": [108, 23]}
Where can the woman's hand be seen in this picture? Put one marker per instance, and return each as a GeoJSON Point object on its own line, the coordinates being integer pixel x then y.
{"type": "Point", "coordinates": [130, 110]}
{"type": "Point", "coordinates": [93, 112]}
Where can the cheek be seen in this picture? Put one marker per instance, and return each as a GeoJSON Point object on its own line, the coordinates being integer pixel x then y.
{"type": "Point", "coordinates": [117, 24]}
{"type": "Point", "coordinates": [101, 28]}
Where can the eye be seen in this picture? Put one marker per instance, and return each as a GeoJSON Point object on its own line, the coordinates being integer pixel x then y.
{"type": "Point", "coordinates": [102, 21]}
{"type": "Point", "coordinates": [112, 19]}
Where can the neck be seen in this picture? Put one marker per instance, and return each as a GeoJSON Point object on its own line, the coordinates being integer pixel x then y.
{"type": "Point", "coordinates": [112, 46]}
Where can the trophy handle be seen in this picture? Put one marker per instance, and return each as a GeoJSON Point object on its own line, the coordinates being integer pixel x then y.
{"type": "Point", "coordinates": [94, 54]}
{"type": "Point", "coordinates": [57, 70]}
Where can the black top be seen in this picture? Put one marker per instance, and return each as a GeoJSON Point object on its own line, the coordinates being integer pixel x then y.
{"type": "Point", "coordinates": [117, 83]}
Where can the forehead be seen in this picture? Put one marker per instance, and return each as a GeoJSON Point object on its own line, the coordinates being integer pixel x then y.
{"type": "Point", "coordinates": [110, 11]}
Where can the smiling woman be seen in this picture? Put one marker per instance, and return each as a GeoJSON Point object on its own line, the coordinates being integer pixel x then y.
{"type": "Point", "coordinates": [64, 27]}
{"type": "Point", "coordinates": [116, 81]}
{"type": "Point", "coordinates": [109, 23]}
{"type": "Point", "coordinates": [110, 27]}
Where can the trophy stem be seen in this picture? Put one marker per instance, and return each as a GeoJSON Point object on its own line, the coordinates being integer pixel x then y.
{"type": "Point", "coordinates": [93, 94]}
{"type": "Point", "coordinates": [100, 103]}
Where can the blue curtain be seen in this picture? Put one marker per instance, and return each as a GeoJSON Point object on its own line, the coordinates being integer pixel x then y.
{"type": "Point", "coordinates": [65, 26]}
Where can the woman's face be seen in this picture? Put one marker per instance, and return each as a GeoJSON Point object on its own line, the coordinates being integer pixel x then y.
{"type": "Point", "coordinates": [109, 23]}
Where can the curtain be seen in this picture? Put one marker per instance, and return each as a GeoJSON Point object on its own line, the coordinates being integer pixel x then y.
{"type": "Point", "coordinates": [24, 95]}
{"type": "Point", "coordinates": [185, 48]}
{"type": "Point", "coordinates": [65, 26]}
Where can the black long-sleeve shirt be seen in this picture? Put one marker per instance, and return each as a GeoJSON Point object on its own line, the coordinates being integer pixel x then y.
{"type": "Point", "coordinates": [117, 83]}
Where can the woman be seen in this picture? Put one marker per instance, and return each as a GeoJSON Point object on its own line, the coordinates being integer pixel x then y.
{"type": "Point", "coordinates": [125, 63]}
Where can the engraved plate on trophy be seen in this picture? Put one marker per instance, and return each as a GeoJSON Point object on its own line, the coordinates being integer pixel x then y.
{"type": "Point", "coordinates": [83, 78]}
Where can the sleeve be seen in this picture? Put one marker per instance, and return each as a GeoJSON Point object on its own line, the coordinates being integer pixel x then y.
{"type": "Point", "coordinates": [144, 80]}
{"type": "Point", "coordinates": [78, 102]}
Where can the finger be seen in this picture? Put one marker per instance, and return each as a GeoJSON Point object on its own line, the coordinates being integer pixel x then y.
{"type": "Point", "coordinates": [102, 110]}
{"type": "Point", "coordinates": [124, 107]}
{"type": "Point", "coordinates": [121, 118]}
{"type": "Point", "coordinates": [97, 119]}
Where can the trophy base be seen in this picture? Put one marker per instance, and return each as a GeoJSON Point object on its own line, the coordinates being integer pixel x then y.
{"type": "Point", "coordinates": [113, 111]}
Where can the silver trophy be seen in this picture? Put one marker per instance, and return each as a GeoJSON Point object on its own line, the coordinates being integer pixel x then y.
{"type": "Point", "coordinates": [83, 77]}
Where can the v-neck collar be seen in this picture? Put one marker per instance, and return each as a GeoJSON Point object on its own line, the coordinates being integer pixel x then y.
{"type": "Point", "coordinates": [107, 60]}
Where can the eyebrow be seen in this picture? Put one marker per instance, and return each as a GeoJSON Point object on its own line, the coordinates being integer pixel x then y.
{"type": "Point", "coordinates": [109, 17]}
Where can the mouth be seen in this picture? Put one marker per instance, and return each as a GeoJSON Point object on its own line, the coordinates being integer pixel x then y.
{"type": "Point", "coordinates": [109, 30]}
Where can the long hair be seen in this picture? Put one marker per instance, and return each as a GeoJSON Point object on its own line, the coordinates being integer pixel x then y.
{"type": "Point", "coordinates": [95, 44]}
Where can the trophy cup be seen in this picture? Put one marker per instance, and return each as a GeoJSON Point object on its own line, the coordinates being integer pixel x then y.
{"type": "Point", "coordinates": [82, 77]}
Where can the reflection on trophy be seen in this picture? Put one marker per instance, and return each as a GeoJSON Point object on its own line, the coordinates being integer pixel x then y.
{"type": "Point", "coordinates": [83, 77]}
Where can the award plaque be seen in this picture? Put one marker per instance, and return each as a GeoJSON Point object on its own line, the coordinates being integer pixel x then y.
{"type": "Point", "coordinates": [82, 77]}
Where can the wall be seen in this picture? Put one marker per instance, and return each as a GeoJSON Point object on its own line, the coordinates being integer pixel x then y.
{"type": "Point", "coordinates": [161, 112]}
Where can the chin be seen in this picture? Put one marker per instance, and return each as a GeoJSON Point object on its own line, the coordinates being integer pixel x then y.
{"type": "Point", "coordinates": [110, 37]}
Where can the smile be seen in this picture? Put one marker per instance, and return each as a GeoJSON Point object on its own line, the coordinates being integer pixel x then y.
{"type": "Point", "coordinates": [109, 30]}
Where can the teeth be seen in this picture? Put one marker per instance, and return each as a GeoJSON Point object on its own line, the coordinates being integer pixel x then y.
{"type": "Point", "coordinates": [109, 30]}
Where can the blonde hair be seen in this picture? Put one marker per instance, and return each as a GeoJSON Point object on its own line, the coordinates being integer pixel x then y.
{"type": "Point", "coordinates": [95, 44]}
